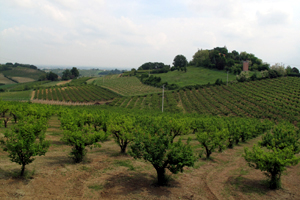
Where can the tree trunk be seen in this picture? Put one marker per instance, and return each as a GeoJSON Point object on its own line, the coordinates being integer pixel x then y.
{"type": "Point", "coordinates": [23, 169]}
{"type": "Point", "coordinates": [123, 148]}
{"type": "Point", "coordinates": [275, 182]}
{"type": "Point", "coordinates": [5, 123]}
{"type": "Point", "coordinates": [208, 152]}
{"type": "Point", "coordinates": [161, 178]}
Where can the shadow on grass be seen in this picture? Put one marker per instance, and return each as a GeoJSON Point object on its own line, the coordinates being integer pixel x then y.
{"type": "Point", "coordinates": [136, 182]}
{"type": "Point", "coordinates": [15, 175]}
{"type": "Point", "coordinates": [59, 160]}
{"type": "Point", "coordinates": [248, 186]}
{"type": "Point", "coordinates": [57, 143]}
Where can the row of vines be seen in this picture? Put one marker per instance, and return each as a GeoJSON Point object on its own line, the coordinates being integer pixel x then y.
{"type": "Point", "coordinates": [270, 98]}
{"type": "Point", "coordinates": [126, 86]}
{"type": "Point", "coordinates": [85, 93]}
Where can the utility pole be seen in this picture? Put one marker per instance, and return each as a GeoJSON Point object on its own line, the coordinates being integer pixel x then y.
{"type": "Point", "coordinates": [162, 106]}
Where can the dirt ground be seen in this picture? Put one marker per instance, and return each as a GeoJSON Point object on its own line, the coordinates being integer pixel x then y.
{"type": "Point", "coordinates": [106, 174]}
{"type": "Point", "coordinates": [64, 82]}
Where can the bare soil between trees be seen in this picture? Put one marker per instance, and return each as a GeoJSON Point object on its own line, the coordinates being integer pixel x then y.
{"type": "Point", "coordinates": [107, 174]}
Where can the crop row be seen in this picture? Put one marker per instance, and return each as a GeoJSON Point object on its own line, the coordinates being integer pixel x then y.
{"type": "Point", "coordinates": [273, 99]}
{"type": "Point", "coordinates": [126, 86]}
{"type": "Point", "coordinates": [87, 93]}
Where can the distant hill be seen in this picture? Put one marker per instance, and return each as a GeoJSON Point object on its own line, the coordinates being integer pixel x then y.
{"type": "Point", "coordinates": [20, 73]}
{"type": "Point", "coordinates": [82, 72]}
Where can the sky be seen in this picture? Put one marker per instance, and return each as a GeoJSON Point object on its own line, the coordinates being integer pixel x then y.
{"type": "Point", "coordinates": [126, 34]}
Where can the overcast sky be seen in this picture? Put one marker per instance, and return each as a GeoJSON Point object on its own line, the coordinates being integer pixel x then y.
{"type": "Point", "coordinates": [128, 33]}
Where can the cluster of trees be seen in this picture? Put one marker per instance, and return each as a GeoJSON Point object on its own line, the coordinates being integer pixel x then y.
{"type": "Point", "coordinates": [156, 81]}
{"type": "Point", "coordinates": [152, 65]}
{"type": "Point", "coordinates": [277, 70]}
{"type": "Point", "coordinates": [219, 58]}
{"type": "Point", "coordinates": [155, 67]}
{"type": "Point", "coordinates": [21, 65]}
{"type": "Point", "coordinates": [108, 72]}
{"type": "Point", "coordinates": [49, 76]}
{"type": "Point", "coordinates": [180, 63]}
{"type": "Point", "coordinates": [70, 74]}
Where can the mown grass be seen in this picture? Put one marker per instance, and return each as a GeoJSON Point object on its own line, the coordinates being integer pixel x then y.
{"type": "Point", "coordinates": [195, 75]}
{"type": "Point", "coordinates": [5, 80]}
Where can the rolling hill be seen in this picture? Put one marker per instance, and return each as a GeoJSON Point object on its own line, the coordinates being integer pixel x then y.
{"type": "Point", "coordinates": [29, 74]}
{"type": "Point", "coordinates": [195, 75]}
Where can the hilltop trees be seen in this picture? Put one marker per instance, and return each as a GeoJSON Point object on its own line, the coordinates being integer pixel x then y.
{"type": "Point", "coordinates": [66, 75]}
{"type": "Point", "coordinates": [155, 67]}
{"type": "Point", "coordinates": [49, 76]}
{"type": "Point", "coordinates": [70, 74]}
{"type": "Point", "coordinates": [75, 72]}
{"type": "Point", "coordinates": [220, 58]}
{"type": "Point", "coordinates": [180, 62]}
{"type": "Point", "coordinates": [201, 58]}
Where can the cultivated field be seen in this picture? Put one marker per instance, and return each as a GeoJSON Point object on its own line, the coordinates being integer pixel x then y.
{"type": "Point", "coordinates": [16, 96]}
{"type": "Point", "coordinates": [5, 80]}
{"type": "Point", "coordinates": [270, 98]}
{"type": "Point", "coordinates": [89, 93]}
{"type": "Point", "coordinates": [107, 174]}
{"type": "Point", "coordinates": [22, 79]}
{"type": "Point", "coordinates": [234, 116]}
{"type": "Point", "coordinates": [126, 86]}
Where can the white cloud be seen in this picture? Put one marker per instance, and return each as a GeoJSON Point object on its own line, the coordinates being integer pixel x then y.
{"type": "Point", "coordinates": [53, 12]}
{"type": "Point", "coordinates": [129, 33]}
{"type": "Point", "coordinates": [23, 3]}
{"type": "Point", "coordinates": [273, 18]}
{"type": "Point", "coordinates": [218, 8]}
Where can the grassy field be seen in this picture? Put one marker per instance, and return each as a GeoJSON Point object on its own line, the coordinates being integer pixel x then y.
{"type": "Point", "coordinates": [22, 79]}
{"type": "Point", "coordinates": [16, 96]}
{"type": "Point", "coordinates": [126, 86]}
{"type": "Point", "coordinates": [5, 80]}
{"type": "Point", "coordinates": [23, 72]}
{"type": "Point", "coordinates": [195, 75]}
{"type": "Point", "coordinates": [7, 86]}
{"type": "Point", "coordinates": [25, 86]}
